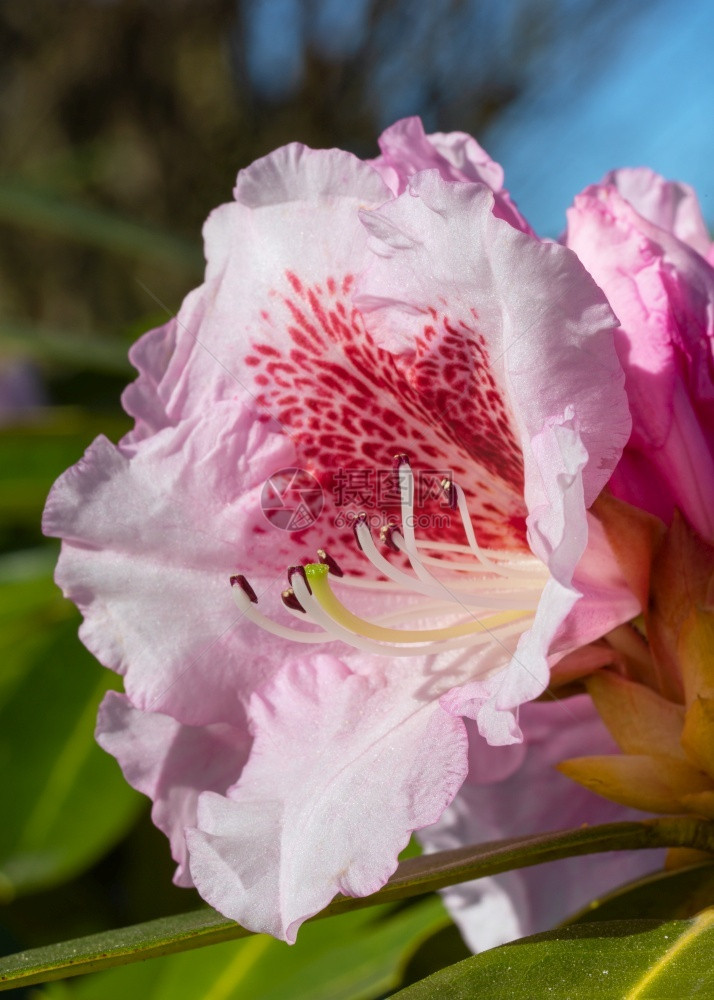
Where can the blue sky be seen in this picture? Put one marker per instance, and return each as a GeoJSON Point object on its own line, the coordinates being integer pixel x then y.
{"type": "Point", "coordinates": [649, 100]}
{"type": "Point", "coordinates": [635, 87]}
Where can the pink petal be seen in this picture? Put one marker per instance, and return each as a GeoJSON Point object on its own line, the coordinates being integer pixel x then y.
{"type": "Point", "coordinates": [571, 424]}
{"type": "Point", "coordinates": [142, 400]}
{"type": "Point", "coordinates": [585, 597]}
{"type": "Point", "coordinates": [493, 702]}
{"type": "Point", "coordinates": [171, 763]}
{"type": "Point", "coordinates": [671, 205]}
{"type": "Point", "coordinates": [557, 523]}
{"type": "Point", "coordinates": [255, 250]}
{"type": "Point", "coordinates": [533, 799]}
{"type": "Point", "coordinates": [284, 319]}
{"type": "Point", "coordinates": [407, 149]}
{"type": "Point", "coordinates": [151, 540]}
{"type": "Point", "coordinates": [663, 293]}
{"type": "Point", "coordinates": [296, 173]}
{"type": "Point", "coordinates": [606, 600]}
{"type": "Point", "coordinates": [343, 768]}
{"type": "Point", "coordinates": [533, 318]}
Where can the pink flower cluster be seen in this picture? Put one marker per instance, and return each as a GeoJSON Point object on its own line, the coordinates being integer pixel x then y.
{"type": "Point", "coordinates": [351, 311]}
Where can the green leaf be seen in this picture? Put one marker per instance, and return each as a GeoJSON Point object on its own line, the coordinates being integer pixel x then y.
{"type": "Point", "coordinates": [29, 604]}
{"type": "Point", "coordinates": [444, 947]}
{"type": "Point", "coordinates": [613, 960]}
{"type": "Point", "coordinates": [413, 877]}
{"type": "Point", "coordinates": [43, 209]}
{"type": "Point", "coordinates": [26, 586]}
{"type": "Point", "coordinates": [40, 343]}
{"type": "Point", "coordinates": [358, 956]}
{"type": "Point", "coordinates": [34, 454]}
{"type": "Point", "coordinates": [662, 896]}
{"type": "Point", "coordinates": [69, 800]}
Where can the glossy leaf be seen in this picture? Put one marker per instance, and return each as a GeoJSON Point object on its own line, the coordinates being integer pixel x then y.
{"type": "Point", "coordinates": [413, 877]}
{"type": "Point", "coordinates": [69, 801]}
{"type": "Point", "coordinates": [444, 947]}
{"type": "Point", "coordinates": [613, 960]}
{"type": "Point", "coordinates": [34, 453]}
{"type": "Point", "coordinates": [29, 604]}
{"type": "Point", "coordinates": [663, 896]}
{"type": "Point", "coordinates": [358, 956]}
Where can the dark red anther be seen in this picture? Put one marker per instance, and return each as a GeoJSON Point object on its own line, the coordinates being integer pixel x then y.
{"type": "Point", "coordinates": [360, 519]}
{"type": "Point", "coordinates": [387, 533]}
{"type": "Point", "coordinates": [327, 560]}
{"type": "Point", "coordinates": [301, 570]}
{"type": "Point", "coordinates": [240, 581]}
{"type": "Point", "coordinates": [290, 600]}
{"type": "Point", "coordinates": [400, 460]}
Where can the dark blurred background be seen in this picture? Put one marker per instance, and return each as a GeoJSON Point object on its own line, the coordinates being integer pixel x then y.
{"type": "Point", "coordinates": [141, 111]}
{"type": "Point", "coordinates": [123, 124]}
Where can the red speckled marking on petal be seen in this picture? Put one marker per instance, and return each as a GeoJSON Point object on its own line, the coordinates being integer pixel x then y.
{"type": "Point", "coordinates": [350, 405]}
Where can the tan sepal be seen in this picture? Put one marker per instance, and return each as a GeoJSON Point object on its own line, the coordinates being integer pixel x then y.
{"type": "Point", "coordinates": [695, 651]}
{"type": "Point", "coordinates": [633, 658]}
{"type": "Point", "coordinates": [640, 721]}
{"type": "Point", "coordinates": [698, 734]}
{"type": "Point", "coordinates": [655, 784]}
{"type": "Point", "coordinates": [634, 537]}
{"type": "Point", "coordinates": [701, 803]}
{"type": "Point", "coordinates": [684, 857]}
{"type": "Point", "coordinates": [682, 572]}
{"type": "Point", "coordinates": [581, 662]}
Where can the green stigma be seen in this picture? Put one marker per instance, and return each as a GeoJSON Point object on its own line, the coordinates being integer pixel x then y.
{"type": "Point", "coordinates": [316, 571]}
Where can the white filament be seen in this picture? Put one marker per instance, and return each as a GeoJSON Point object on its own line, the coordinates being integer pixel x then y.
{"type": "Point", "coordinates": [319, 615]}
{"type": "Point", "coordinates": [488, 582]}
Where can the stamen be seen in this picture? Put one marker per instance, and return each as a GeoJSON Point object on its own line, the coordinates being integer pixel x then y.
{"type": "Point", "coordinates": [450, 493]}
{"type": "Point", "coordinates": [300, 570]}
{"type": "Point", "coordinates": [475, 570]}
{"type": "Point", "coordinates": [431, 587]}
{"type": "Point", "coordinates": [328, 561]}
{"type": "Point", "coordinates": [522, 566]}
{"type": "Point", "coordinates": [454, 490]}
{"type": "Point", "coordinates": [387, 535]}
{"type": "Point", "coordinates": [406, 493]}
{"type": "Point", "coordinates": [491, 595]}
{"type": "Point", "coordinates": [338, 631]}
{"type": "Point", "coordinates": [240, 581]}
{"type": "Point", "coordinates": [291, 602]}
{"type": "Point", "coordinates": [358, 522]}
{"type": "Point", "coordinates": [457, 501]}
{"type": "Point", "coordinates": [246, 606]}
{"type": "Point", "coordinates": [405, 541]}
{"type": "Point", "coordinates": [317, 575]}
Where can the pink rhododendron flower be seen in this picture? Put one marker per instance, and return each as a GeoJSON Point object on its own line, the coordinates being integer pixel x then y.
{"type": "Point", "coordinates": [349, 311]}
{"type": "Point", "coordinates": [645, 243]}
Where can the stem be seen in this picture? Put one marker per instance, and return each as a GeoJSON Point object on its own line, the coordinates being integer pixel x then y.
{"type": "Point", "coordinates": [412, 878]}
